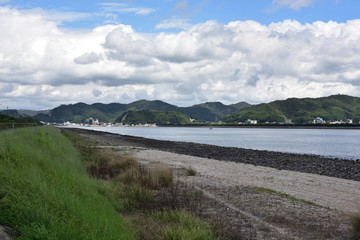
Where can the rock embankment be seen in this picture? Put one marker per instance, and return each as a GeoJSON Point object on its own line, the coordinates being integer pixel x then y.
{"type": "Point", "coordinates": [340, 168]}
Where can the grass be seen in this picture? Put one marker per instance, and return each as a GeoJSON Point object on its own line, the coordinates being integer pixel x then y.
{"type": "Point", "coordinates": [283, 195]}
{"type": "Point", "coordinates": [181, 225]}
{"type": "Point", "coordinates": [130, 190]}
{"type": "Point", "coordinates": [46, 192]}
{"type": "Point", "coordinates": [190, 171]}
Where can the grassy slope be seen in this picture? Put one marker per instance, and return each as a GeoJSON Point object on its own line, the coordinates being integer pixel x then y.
{"type": "Point", "coordinates": [45, 192]}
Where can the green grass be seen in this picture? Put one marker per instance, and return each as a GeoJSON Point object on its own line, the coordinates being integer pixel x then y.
{"type": "Point", "coordinates": [283, 195]}
{"type": "Point", "coordinates": [183, 226]}
{"type": "Point", "coordinates": [130, 190]}
{"type": "Point", "coordinates": [190, 171]}
{"type": "Point", "coordinates": [46, 193]}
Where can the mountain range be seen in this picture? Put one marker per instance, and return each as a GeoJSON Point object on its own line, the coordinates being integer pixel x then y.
{"type": "Point", "coordinates": [79, 112]}
{"type": "Point", "coordinates": [299, 110]}
{"type": "Point", "coordinates": [304, 110]}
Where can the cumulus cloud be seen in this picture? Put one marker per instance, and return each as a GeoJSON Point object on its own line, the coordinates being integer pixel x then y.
{"type": "Point", "coordinates": [239, 61]}
{"type": "Point", "coordinates": [88, 58]}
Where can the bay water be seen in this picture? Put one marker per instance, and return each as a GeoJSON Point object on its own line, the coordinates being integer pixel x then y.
{"type": "Point", "coordinates": [335, 143]}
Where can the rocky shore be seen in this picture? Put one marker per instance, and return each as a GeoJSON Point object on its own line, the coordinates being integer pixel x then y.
{"type": "Point", "coordinates": [340, 168]}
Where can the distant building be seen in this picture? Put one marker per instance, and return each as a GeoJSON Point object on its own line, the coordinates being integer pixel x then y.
{"type": "Point", "coordinates": [90, 121]}
{"type": "Point", "coordinates": [287, 121]}
{"type": "Point", "coordinates": [249, 121]}
{"type": "Point", "coordinates": [319, 120]}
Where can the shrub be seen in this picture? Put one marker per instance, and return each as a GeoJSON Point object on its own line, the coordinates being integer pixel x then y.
{"type": "Point", "coordinates": [190, 171]}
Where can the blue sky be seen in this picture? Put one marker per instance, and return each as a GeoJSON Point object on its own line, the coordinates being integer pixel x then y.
{"type": "Point", "coordinates": [179, 51]}
{"type": "Point", "coordinates": [145, 15]}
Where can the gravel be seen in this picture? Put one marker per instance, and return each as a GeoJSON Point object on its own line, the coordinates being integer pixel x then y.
{"type": "Point", "coordinates": [340, 168]}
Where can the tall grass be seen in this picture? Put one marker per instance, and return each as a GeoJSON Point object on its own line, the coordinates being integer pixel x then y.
{"type": "Point", "coordinates": [45, 192]}
{"type": "Point", "coordinates": [130, 187]}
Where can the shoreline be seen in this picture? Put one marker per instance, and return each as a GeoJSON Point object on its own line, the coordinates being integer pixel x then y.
{"type": "Point", "coordinates": [349, 127]}
{"type": "Point", "coordinates": [246, 200]}
{"type": "Point", "coordinates": [314, 164]}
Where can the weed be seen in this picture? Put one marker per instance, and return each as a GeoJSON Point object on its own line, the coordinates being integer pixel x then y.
{"type": "Point", "coordinates": [160, 178]}
{"type": "Point", "coordinates": [356, 227]}
{"type": "Point", "coordinates": [140, 192]}
{"type": "Point", "coordinates": [190, 171]}
{"type": "Point", "coordinates": [182, 225]}
{"type": "Point", "coordinates": [284, 195]}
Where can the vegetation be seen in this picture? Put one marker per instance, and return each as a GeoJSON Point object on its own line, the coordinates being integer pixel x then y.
{"type": "Point", "coordinates": [46, 193]}
{"type": "Point", "coordinates": [6, 121]}
{"type": "Point", "coordinates": [130, 188]}
{"type": "Point", "coordinates": [190, 171]}
{"type": "Point", "coordinates": [283, 195]}
{"type": "Point", "coordinates": [153, 116]}
{"type": "Point", "coordinates": [79, 112]}
{"type": "Point", "coordinates": [304, 110]}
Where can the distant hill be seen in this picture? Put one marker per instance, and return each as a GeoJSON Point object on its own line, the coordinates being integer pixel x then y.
{"type": "Point", "coordinates": [212, 111]}
{"type": "Point", "coordinates": [153, 116]}
{"type": "Point", "coordinates": [22, 113]}
{"type": "Point", "coordinates": [31, 113]}
{"type": "Point", "coordinates": [79, 112]}
{"type": "Point", "coordinates": [10, 119]}
{"type": "Point", "coordinates": [303, 110]}
{"type": "Point", "coordinates": [13, 113]}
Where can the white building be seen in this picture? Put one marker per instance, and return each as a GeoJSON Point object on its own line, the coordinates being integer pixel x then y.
{"type": "Point", "coordinates": [319, 120]}
{"type": "Point", "coordinates": [249, 121]}
{"type": "Point", "coordinates": [287, 121]}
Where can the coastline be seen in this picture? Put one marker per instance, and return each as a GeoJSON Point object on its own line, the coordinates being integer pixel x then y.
{"type": "Point", "coordinates": [248, 200]}
{"type": "Point", "coordinates": [314, 164]}
{"type": "Point", "coordinates": [277, 126]}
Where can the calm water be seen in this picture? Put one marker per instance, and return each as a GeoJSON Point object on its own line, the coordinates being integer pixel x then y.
{"type": "Point", "coordinates": [336, 143]}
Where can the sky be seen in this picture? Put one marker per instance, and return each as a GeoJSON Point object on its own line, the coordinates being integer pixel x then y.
{"type": "Point", "coordinates": [179, 51]}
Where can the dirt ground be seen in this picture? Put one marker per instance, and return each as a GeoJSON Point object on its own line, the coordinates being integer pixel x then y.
{"type": "Point", "coordinates": [238, 199]}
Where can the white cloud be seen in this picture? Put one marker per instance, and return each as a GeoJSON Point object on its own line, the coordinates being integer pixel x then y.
{"type": "Point", "coordinates": [174, 23]}
{"type": "Point", "coordinates": [125, 8]}
{"type": "Point", "coordinates": [239, 61]}
{"type": "Point", "coordinates": [88, 58]}
{"type": "Point", "coordinates": [294, 4]}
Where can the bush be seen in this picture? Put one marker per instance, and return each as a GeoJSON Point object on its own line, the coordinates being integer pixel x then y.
{"type": "Point", "coordinates": [190, 171]}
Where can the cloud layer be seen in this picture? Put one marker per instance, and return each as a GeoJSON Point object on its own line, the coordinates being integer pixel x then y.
{"type": "Point", "coordinates": [42, 65]}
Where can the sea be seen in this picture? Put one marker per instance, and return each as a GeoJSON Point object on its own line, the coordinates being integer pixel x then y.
{"type": "Point", "coordinates": [334, 143]}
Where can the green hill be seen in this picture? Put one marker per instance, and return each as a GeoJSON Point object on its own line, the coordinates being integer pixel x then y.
{"type": "Point", "coordinates": [79, 112]}
{"type": "Point", "coordinates": [153, 116]}
{"type": "Point", "coordinates": [6, 121]}
{"type": "Point", "coordinates": [332, 108]}
{"type": "Point", "coordinates": [212, 111]}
